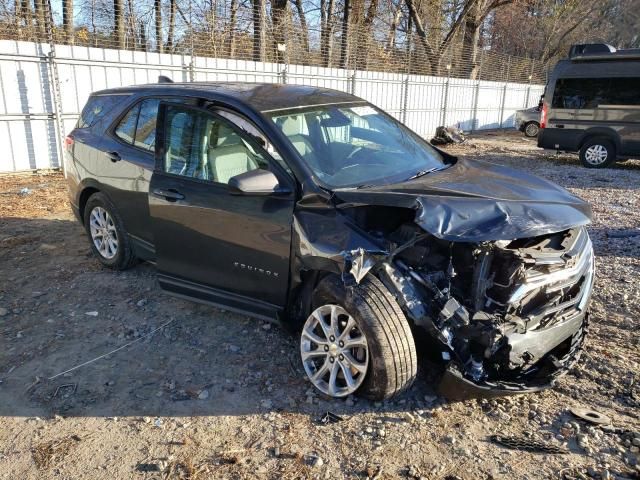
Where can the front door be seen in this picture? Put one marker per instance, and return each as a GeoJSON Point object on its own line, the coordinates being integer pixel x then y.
{"type": "Point", "coordinates": [211, 244]}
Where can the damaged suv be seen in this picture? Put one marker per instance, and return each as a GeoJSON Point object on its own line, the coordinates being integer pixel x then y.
{"type": "Point", "coordinates": [313, 207]}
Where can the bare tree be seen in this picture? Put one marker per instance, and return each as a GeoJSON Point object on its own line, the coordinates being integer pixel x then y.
{"type": "Point", "coordinates": [172, 26]}
{"type": "Point", "coordinates": [344, 40]}
{"type": "Point", "coordinates": [157, 4]}
{"type": "Point", "coordinates": [326, 31]}
{"type": "Point", "coordinates": [233, 13]}
{"type": "Point", "coordinates": [118, 21]}
{"type": "Point", "coordinates": [258, 30]}
{"type": "Point", "coordinates": [279, 27]}
{"type": "Point", "coordinates": [67, 20]}
{"type": "Point", "coordinates": [304, 29]}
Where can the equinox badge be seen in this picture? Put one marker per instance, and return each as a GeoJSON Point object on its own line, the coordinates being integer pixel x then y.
{"type": "Point", "coordinates": [250, 268]}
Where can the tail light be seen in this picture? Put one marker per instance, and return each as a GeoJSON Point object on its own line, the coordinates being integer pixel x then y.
{"type": "Point", "coordinates": [543, 115]}
{"type": "Point", "coordinates": [68, 143]}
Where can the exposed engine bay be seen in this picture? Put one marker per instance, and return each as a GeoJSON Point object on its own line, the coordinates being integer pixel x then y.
{"type": "Point", "coordinates": [508, 315]}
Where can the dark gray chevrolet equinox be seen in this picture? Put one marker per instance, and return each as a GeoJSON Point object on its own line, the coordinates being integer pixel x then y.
{"type": "Point", "coordinates": [315, 208]}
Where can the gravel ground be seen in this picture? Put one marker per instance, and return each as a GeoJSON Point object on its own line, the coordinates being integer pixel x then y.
{"type": "Point", "coordinates": [217, 395]}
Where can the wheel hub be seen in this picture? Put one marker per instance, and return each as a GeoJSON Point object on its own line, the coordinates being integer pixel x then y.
{"type": "Point", "coordinates": [596, 154]}
{"type": "Point", "coordinates": [334, 351]}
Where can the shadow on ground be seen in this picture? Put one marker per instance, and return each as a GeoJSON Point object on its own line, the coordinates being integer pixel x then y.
{"type": "Point", "coordinates": [65, 309]}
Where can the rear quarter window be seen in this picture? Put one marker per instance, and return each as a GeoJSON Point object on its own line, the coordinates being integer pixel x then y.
{"type": "Point", "coordinates": [96, 108]}
{"type": "Point", "coordinates": [580, 93]}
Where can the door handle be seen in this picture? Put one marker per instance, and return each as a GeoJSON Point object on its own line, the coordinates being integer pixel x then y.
{"type": "Point", "coordinates": [170, 194]}
{"type": "Point", "coordinates": [114, 156]}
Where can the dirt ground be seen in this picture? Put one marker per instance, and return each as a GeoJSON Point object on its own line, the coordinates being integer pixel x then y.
{"type": "Point", "coordinates": [217, 395]}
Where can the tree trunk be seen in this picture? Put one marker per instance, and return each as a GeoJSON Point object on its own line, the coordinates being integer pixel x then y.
{"type": "Point", "coordinates": [39, 9]}
{"type": "Point", "coordinates": [344, 44]}
{"type": "Point", "coordinates": [258, 30]}
{"type": "Point", "coordinates": [393, 29]}
{"type": "Point", "coordinates": [232, 28]}
{"type": "Point", "coordinates": [303, 25]}
{"type": "Point", "coordinates": [67, 21]}
{"type": "Point", "coordinates": [157, 4]}
{"type": "Point", "coordinates": [326, 33]}
{"type": "Point", "coordinates": [364, 37]}
{"type": "Point", "coordinates": [118, 22]}
{"type": "Point", "coordinates": [278, 21]}
{"type": "Point", "coordinates": [172, 25]}
{"type": "Point", "coordinates": [24, 18]}
{"type": "Point", "coordinates": [470, 41]}
{"type": "Point", "coordinates": [142, 38]}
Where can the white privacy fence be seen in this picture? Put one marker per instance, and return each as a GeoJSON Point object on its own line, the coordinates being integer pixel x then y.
{"type": "Point", "coordinates": [42, 92]}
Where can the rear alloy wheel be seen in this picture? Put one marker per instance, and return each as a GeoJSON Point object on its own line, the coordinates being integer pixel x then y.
{"type": "Point", "coordinates": [103, 232]}
{"type": "Point", "coordinates": [108, 238]}
{"type": "Point", "coordinates": [357, 340]}
{"type": "Point", "coordinates": [531, 129]}
{"type": "Point", "coordinates": [598, 153]}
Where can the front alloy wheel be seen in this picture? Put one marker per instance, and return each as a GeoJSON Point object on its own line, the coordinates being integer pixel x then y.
{"type": "Point", "coordinates": [334, 351]}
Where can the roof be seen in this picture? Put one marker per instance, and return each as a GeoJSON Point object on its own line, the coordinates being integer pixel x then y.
{"type": "Point", "coordinates": [261, 96]}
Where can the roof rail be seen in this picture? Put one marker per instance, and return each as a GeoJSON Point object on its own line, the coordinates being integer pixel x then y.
{"type": "Point", "coordinates": [164, 79]}
{"type": "Point", "coordinates": [601, 51]}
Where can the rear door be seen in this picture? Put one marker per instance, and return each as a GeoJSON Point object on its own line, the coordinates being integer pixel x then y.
{"type": "Point", "coordinates": [223, 248]}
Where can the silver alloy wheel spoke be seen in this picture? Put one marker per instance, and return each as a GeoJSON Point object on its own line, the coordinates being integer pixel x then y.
{"type": "Point", "coordinates": [334, 351]}
{"type": "Point", "coordinates": [103, 233]}
{"type": "Point", "coordinates": [596, 154]}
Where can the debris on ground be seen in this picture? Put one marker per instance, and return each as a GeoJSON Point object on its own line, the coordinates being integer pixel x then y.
{"type": "Point", "coordinates": [330, 417]}
{"type": "Point", "coordinates": [528, 444]}
{"type": "Point", "coordinates": [590, 416]}
{"type": "Point", "coordinates": [446, 135]}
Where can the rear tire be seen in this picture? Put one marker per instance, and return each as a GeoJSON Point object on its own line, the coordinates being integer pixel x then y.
{"type": "Point", "coordinates": [391, 357]}
{"type": "Point", "coordinates": [531, 129]}
{"type": "Point", "coordinates": [598, 153]}
{"type": "Point", "coordinates": [108, 238]}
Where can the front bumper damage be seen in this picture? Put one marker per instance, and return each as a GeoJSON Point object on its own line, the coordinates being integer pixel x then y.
{"type": "Point", "coordinates": [494, 265]}
{"type": "Point", "coordinates": [508, 317]}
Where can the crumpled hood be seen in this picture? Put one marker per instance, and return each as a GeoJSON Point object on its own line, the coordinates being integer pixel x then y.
{"type": "Point", "coordinates": [474, 201]}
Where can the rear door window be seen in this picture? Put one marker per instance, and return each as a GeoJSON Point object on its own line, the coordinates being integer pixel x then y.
{"type": "Point", "coordinates": [96, 108]}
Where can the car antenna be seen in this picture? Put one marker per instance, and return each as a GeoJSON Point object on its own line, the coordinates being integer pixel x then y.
{"type": "Point", "coordinates": [164, 79]}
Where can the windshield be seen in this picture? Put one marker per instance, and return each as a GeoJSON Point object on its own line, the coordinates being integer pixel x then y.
{"type": "Point", "coordinates": [356, 145]}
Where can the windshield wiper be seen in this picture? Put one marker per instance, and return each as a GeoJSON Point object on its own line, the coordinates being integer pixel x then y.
{"type": "Point", "coordinates": [423, 172]}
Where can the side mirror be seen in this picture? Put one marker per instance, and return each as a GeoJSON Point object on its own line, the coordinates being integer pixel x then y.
{"type": "Point", "coordinates": [256, 182]}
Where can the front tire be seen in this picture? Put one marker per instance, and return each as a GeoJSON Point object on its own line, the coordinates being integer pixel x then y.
{"type": "Point", "coordinates": [108, 238]}
{"type": "Point", "coordinates": [531, 129]}
{"type": "Point", "coordinates": [598, 153]}
{"type": "Point", "coordinates": [364, 331]}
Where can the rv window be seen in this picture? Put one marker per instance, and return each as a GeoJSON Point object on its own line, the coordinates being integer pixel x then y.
{"type": "Point", "coordinates": [582, 93]}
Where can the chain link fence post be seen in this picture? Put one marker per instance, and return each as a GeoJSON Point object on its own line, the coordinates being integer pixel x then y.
{"type": "Point", "coordinates": [55, 87]}
{"type": "Point", "coordinates": [405, 83]}
{"type": "Point", "coordinates": [445, 100]}
{"type": "Point", "coordinates": [476, 97]}
{"type": "Point", "coordinates": [504, 92]}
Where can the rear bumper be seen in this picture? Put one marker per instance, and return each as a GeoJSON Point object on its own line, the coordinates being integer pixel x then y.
{"type": "Point", "coordinates": [565, 341]}
{"type": "Point", "coordinates": [567, 140]}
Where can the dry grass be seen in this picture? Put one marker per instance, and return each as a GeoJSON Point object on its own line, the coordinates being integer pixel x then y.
{"type": "Point", "coordinates": [48, 453]}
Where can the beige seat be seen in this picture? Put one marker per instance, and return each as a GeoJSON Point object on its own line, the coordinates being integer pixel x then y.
{"type": "Point", "coordinates": [291, 128]}
{"type": "Point", "coordinates": [229, 157]}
